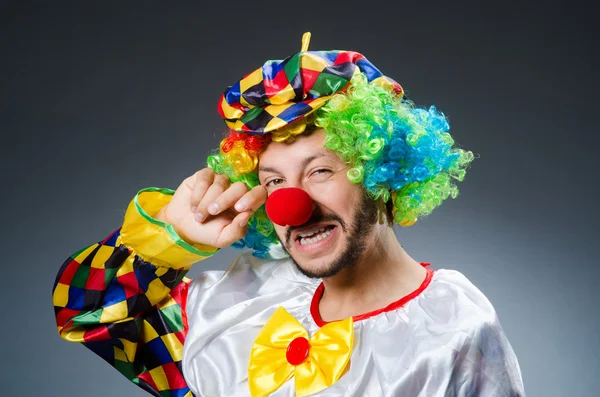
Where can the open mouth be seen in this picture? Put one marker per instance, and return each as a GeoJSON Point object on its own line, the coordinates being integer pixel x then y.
{"type": "Point", "coordinates": [315, 235]}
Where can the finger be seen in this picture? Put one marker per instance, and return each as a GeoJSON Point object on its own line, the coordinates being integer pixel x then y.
{"type": "Point", "coordinates": [227, 198]}
{"type": "Point", "coordinates": [202, 181]}
{"type": "Point", "coordinates": [252, 200]}
{"type": "Point", "coordinates": [219, 185]}
{"type": "Point", "coordinates": [236, 230]}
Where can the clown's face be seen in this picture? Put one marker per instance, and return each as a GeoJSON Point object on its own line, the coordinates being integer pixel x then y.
{"type": "Point", "coordinates": [341, 227]}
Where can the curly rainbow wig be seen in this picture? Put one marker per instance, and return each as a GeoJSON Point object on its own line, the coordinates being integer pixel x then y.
{"type": "Point", "coordinates": [402, 155]}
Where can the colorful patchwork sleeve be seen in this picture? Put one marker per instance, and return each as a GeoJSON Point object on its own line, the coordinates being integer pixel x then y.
{"type": "Point", "coordinates": [124, 297]}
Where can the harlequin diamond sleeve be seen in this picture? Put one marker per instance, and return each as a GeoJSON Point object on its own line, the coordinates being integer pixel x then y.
{"type": "Point", "coordinates": [124, 297]}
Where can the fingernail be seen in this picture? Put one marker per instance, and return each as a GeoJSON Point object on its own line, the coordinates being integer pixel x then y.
{"type": "Point", "coordinates": [198, 217]}
{"type": "Point", "coordinates": [213, 208]}
{"type": "Point", "coordinates": [193, 209]}
{"type": "Point", "coordinates": [240, 206]}
{"type": "Point", "coordinates": [243, 222]}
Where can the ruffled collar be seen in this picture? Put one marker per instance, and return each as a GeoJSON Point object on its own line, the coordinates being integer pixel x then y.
{"type": "Point", "coordinates": [314, 305]}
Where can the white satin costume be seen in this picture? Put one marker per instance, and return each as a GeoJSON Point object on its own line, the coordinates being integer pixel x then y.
{"type": "Point", "coordinates": [126, 299]}
{"type": "Point", "coordinates": [446, 341]}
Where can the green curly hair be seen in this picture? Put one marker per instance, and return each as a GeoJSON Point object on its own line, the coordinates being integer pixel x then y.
{"type": "Point", "coordinates": [402, 155]}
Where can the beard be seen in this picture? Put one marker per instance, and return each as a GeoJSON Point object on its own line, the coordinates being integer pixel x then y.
{"type": "Point", "coordinates": [364, 220]}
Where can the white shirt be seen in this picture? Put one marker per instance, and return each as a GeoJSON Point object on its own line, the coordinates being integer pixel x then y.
{"type": "Point", "coordinates": [446, 341]}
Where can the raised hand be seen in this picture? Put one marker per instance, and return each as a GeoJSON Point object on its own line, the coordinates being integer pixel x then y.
{"type": "Point", "coordinates": [208, 209]}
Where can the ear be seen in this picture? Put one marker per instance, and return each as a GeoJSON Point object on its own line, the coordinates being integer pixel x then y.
{"type": "Point", "coordinates": [381, 211]}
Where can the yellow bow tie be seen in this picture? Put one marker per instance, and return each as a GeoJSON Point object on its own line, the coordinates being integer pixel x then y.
{"type": "Point", "coordinates": [282, 349]}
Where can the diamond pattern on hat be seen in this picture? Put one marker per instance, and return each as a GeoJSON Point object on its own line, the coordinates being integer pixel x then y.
{"type": "Point", "coordinates": [281, 92]}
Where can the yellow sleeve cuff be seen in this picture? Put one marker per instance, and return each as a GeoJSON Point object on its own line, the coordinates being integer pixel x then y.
{"type": "Point", "coordinates": [155, 241]}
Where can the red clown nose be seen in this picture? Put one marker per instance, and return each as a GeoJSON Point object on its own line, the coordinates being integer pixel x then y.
{"type": "Point", "coordinates": [289, 206]}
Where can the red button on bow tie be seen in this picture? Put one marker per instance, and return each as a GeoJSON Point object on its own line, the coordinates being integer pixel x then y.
{"type": "Point", "coordinates": [297, 351]}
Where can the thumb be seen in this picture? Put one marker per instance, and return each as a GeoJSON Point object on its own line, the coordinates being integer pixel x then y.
{"type": "Point", "coordinates": [234, 231]}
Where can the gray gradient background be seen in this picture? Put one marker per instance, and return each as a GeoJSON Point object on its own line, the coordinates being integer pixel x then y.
{"type": "Point", "coordinates": [99, 101]}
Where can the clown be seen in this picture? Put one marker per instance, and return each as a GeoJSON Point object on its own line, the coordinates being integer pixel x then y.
{"type": "Point", "coordinates": [324, 155]}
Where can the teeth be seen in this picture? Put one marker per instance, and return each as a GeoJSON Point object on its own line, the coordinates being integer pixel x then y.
{"type": "Point", "coordinates": [318, 237]}
{"type": "Point", "coordinates": [312, 232]}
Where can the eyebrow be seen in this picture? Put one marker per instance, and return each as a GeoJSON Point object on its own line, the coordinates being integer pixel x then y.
{"type": "Point", "coordinates": [303, 164]}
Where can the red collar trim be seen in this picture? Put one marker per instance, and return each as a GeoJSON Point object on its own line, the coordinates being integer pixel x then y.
{"type": "Point", "coordinates": [314, 305]}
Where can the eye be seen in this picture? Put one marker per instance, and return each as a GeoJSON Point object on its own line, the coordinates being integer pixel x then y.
{"type": "Point", "coordinates": [274, 180]}
{"type": "Point", "coordinates": [321, 171]}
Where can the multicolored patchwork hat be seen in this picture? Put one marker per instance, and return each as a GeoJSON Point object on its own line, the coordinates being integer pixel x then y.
{"type": "Point", "coordinates": [281, 92]}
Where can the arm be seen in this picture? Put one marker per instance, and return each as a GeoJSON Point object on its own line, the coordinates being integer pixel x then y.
{"type": "Point", "coordinates": [123, 297]}
{"type": "Point", "coordinates": [487, 365]}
